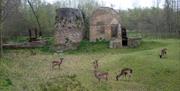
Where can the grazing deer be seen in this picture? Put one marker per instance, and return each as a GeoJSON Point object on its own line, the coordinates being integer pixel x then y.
{"type": "Point", "coordinates": [57, 62]}
{"type": "Point", "coordinates": [125, 72]}
{"type": "Point", "coordinates": [101, 75]}
{"type": "Point", "coordinates": [163, 52]}
{"type": "Point", "coordinates": [95, 64]}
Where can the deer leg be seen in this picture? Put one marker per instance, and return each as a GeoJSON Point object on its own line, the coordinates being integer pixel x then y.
{"type": "Point", "coordinates": [125, 76]}
{"type": "Point", "coordinates": [59, 66]}
{"type": "Point", "coordinates": [117, 77]}
{"type": "Point", "coordinates": [129, 75]}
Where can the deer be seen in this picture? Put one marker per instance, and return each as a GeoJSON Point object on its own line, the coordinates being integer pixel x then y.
{"type": "Point", "coordinates": [95, 64]}
{"type": "Point", "coordinates": [57, 62]}
{"type": "Point", "coordinates": [163, 52]}
{"type": "Point", "coordinates": [101, 75]}
{"type": "Point", "coordinates": [125, 72]}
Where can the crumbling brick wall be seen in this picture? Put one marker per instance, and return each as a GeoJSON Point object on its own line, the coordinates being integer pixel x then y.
{"type": "Point", "coordinates": [102, 22]}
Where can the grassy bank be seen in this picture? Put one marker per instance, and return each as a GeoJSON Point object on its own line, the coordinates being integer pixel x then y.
{"type": "Point", "coordinates": [21, 71]}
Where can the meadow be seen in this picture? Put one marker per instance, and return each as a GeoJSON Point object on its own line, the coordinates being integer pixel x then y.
{"type": "Point", "coordinates": [21, 71]}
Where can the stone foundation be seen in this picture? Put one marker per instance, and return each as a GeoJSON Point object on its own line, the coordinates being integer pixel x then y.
{"type": "Point", "coordinates": [115, 43]}
{"type": "Point", "coordinates": [134, 42]}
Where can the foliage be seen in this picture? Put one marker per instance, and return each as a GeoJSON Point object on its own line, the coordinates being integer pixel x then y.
{"type": "Point", "coordinates": [49, 46]}
{"type": "Point", "coordinates": [154, 21]}
{"type": "Point", "coordinates": [90, 47]}
{"type": "Point", "coordinates": [149, 21]}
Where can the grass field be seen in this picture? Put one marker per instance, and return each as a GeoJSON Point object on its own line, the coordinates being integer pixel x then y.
{"type": "Point", "coordinates": [21, 71]}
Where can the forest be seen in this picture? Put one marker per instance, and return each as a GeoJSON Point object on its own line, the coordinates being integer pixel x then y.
{"type": "Point", "coordinates": [18, 17]}
{"type": "Point", "coordinates": [31, 69]}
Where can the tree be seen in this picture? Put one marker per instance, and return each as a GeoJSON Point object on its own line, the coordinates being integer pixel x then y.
{"type": "Point", "coordinates": [5, 7]}
{"type": "Point", "coordinates": [3, 14]}
{"type": "Point", "coordinates": [37, 18]}
{"type": "Point", "coordinates": [1, 29]}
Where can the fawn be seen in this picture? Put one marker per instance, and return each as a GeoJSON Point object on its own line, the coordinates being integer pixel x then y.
{"type": "Point", "coordinates": [163, 52]}
{"type": "Point", "coordinates": [57, 62]}
{"type": "Point", "coordinates": [101, 75]}
{"type": "Point", "coordinates": [125, 71]}
{"type": "Point", "coordinates": [95, 64]}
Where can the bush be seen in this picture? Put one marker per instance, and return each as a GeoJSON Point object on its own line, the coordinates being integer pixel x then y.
{"type": "Point", "coordinates": [5, 81]}
{"type": "Point", "coordinates": [90, 47]}
{"type": "Point", "coordinates": [63, 83]}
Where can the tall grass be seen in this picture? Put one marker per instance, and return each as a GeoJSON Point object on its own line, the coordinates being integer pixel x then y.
{"type": "Point", "coordinates": [21, 71]}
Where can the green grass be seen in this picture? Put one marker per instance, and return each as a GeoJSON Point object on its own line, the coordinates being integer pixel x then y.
{"type": "Point", "coordinates": [134, 34]}
{"type": "Point", "coordinates": [20, 71]}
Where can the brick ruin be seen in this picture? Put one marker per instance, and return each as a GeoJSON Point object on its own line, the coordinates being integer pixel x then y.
{"type": "Point", "coordinates": [68, 28]}
{"type": "Point", "coordinates": [105, 25]}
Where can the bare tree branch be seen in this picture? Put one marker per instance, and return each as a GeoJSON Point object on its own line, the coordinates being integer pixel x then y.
{"type": "Point", "coordinates": [36, 16]}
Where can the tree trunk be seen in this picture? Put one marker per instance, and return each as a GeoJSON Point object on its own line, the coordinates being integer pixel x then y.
{"type": "Point", "coordinates": [1, 54]}
{"type": "Point", "coordinates": [1, 41]}
{"type": "Point", "coordinates": [37, 19]}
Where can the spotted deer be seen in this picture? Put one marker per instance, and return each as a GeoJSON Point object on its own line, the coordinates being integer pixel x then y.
{"type": "Point", "coordinates": [57, 63]}
{"type": "Point", "coordinates": [101, 75]}
{"type": "Point", "coordinates": [125, 72]}
{"type": "Point", "coordinates": [163, 52]}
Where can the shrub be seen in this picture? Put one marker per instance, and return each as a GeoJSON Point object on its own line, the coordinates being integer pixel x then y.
{"type": "Point", "coordinates": [63, 83]}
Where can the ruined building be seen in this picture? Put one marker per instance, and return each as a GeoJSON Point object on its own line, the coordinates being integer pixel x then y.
{"type": "Point", "coordinates": [105, 25]}
{"type": "Point", "coordinates": [68, 28]}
